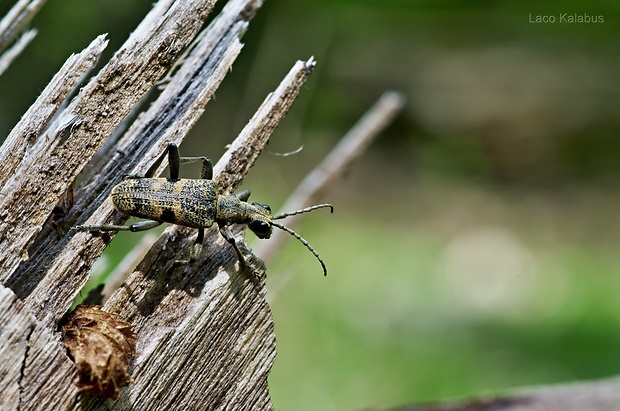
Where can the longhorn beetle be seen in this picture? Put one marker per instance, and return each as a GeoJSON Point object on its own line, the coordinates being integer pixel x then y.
{"type": "Point", "coordinates": [194, 203]}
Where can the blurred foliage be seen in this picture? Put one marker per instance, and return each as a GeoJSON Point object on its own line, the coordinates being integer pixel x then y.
{"type": "Point", "coordinates": [473, 248]}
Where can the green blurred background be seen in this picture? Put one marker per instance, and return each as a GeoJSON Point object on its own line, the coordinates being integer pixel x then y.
{"type": "Point", "coordinates": [473, 247]}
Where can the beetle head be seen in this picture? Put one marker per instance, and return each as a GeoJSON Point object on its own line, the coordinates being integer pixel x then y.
{"type": "Point", "coordinates": [260, 222]}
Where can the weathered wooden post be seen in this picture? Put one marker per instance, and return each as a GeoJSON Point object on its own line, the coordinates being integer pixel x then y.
{"type": "Point", "coordinates": [205, 333]}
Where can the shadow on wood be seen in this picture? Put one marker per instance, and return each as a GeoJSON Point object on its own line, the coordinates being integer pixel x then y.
{"type": "Point", "coordinates": [205, 332]}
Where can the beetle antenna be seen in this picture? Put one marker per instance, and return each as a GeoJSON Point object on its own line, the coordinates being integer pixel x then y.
{"type": "Point", "coordinates": [303, 210]}
{"type": "Point", "coordinates": [303, 241]}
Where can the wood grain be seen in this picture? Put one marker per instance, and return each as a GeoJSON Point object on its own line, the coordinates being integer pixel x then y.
{"type": "Point", "coordinates": [205, 332]}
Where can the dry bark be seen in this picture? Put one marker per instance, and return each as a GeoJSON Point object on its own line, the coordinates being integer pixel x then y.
{"type": "Point", "coordinates": [54, 158]}
{"type": "Point", "coordinates": [205, 332]}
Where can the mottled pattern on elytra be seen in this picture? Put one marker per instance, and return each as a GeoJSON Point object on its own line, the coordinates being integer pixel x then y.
{"type": "Point", "coordinates": [191, 203]}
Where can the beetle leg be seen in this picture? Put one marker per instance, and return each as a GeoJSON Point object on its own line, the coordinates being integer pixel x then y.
{"type": "Point", "coordinates": [195, 252]}
{"type": "Point", "coordinates": [197, 248]}
{"type": "Point", "coordinates": [207, 166]}
{"type": "Point", "coordinates": [228, 235]}
{"type": "Point", "coordinates": [243, 195]}
{"type": "Point", "coordinates": [140, 226]}
{"type": "Point", "coordinates": [144, 225]}
{"type": "Point", "coordinates": [207, 169]}
{"type": "Point", "coordinates": [174, 161]}
{"type": "Point", "coordinates": [151, 171]}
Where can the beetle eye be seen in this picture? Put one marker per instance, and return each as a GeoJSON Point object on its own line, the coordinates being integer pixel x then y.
{"type": "Point", "coordinates": [260, 228]}
{"type": "Point", "coordinates": [265, 206]}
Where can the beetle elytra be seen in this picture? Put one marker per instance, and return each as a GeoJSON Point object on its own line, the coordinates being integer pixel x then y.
{"type": "Point", "coordinates": [194, 203]}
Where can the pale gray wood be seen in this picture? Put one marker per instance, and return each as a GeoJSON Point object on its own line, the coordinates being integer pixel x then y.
{"type": "Point", "coordinates": [16, 49]}
{"type": "Point", "coordinates": [55, 159]}
{"type": "Point", "coordinates": [205, 332]}
{"type": "Point", "coordinates": [60, 264]}
{"type": "Point", "coordinates": [35, 373]}
{"type": "Point", "coordinates": [211, 317]}
{"type": "Point", "coordinates": [18, 17]}
{"type": "Point", "coordinates": [23, 136]}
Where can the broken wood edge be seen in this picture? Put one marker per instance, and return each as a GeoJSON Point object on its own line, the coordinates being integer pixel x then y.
{"type": "Point", "coordinates": [190, 317]}
{"type": "Point", "coordinates": [59, 265]}
{"type": "Point", "coordinates": [39, 114]}
{"type": "Point", "coordinates": [331, 168]}
{"type": "Point", "coordinates": [60, 375]}
{"type": "Point", "coordinates": [167, 120]}
{"type": "Point", "coordinates": [260, 346]}
{"type": "Point", "coordinates": [17, 18]}
{"type": "Point", "coordinates": [245, 149]}
{"type": "Point", "coordinates": [75, 135]}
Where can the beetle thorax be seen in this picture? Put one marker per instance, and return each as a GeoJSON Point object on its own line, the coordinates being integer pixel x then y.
{"type": "Point", "coordinates": [231, 210]}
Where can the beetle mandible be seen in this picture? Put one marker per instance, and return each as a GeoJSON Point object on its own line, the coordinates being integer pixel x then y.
{"type": "Point", "coordinates": [194, 203]}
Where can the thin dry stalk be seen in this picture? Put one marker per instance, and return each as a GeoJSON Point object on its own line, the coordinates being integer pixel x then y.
{"type": "Point", "coordinates": [205, 332]}
{"type": "Point", "coordinates": [15, 50]}
{"type": "Point", "coordinates": [13, 24]}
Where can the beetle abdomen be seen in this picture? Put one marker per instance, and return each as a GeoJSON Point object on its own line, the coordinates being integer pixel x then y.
{"type": "Point", "coordinates": [190, 203]}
